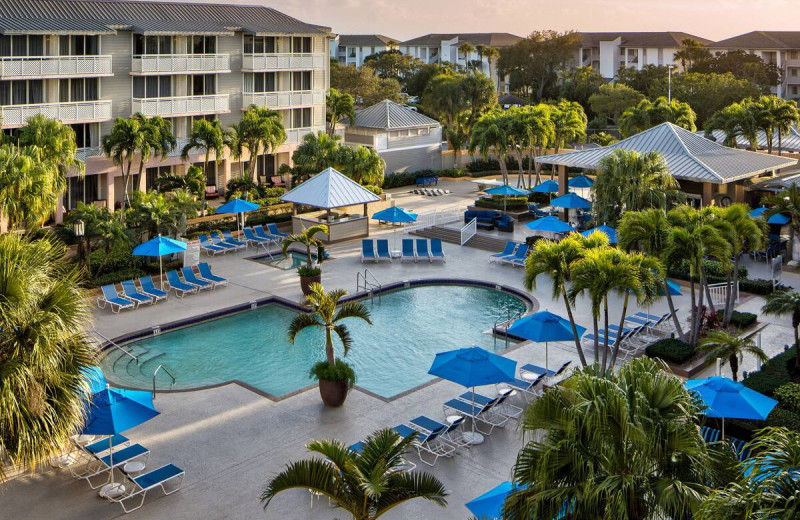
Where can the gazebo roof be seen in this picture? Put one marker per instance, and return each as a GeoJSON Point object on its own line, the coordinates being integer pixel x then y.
{"type": "Point", "coordinates": [388, 115]}
{"type": "Point", "coordinates": [688, 156]}
{"type": "Point", "coordinates": [330, 189]}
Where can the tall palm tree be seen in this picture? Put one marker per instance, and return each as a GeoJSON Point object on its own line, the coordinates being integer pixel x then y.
{"type": "Point", "coordinates": [569, 121]}
{"type": "Point", "coordinates": [43, 350]}
{"type": "Point", "coordinates": [467, 48]}
{"type": "Point", "coordinates": [773, 116]}
{"type": "Point", "coordinates": [720, 344]}
{"type": "Point", "coordinates": [735, 120]}
{"type": "Point", "coordinates": [366, 484]}
{"type": "Point", "coordinates": [127, 137]}
{"type": "Point", "coordinates": [264, 133]}
{"type": "Point", "coordinates": [490, 54]}
{"type": "Point", "coordinates": [184, 205]}
{"type": "Point", "coordinates": [491, 135]}
{"type": "Point", "coordinates": [648, 114]}
{"type": "Point", "coordinates": [339, 105]}
{"type": "Point", "coordinates": [364, 165]}
{"type": "Point", "coordinates": [152, 214]}
{"type": "Point", "coordinates": [781, 303]}
{"type": "Point", "coordinates": [786, 116]}
{"type": "Point", "coordinates": [30, 186]}
{"type": "Point", "coordinates": [234, 140]}
{"type": "Point", "coordinates": [690, 53]}
{"type": "Point", "coordinates": [159, 142]}
{"type": "Point", "coordinates": [622, 446]}
{"type": "Point", "coordinates": [57, 141]}
{"type": "Point", "coordinates": [209, 137]}
{"type": "Point", "coordinates": [541, 130]}
{"type": "Point", "coordinates": [316, 152]}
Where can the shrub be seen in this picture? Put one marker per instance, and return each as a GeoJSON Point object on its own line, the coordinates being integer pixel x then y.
{"type": "Point", "coordinates": [377, 190]}
{"type": "Point", "coordinates": [773, 374]}
{"type": "Point", "coordinates": [116, 277]}
{"type": "Point", "coordinates": [671, 350]}
{"type": "Point", "coordinates": [788, 396]}
{"type": "Point", "coordinates": [304, 270]}
{"type": "Point", "coordinates": [340, 371]}
{"type": "Point", "coordinates": [758, 286]}
{"type": "Point", "coordinates": [119, 258]}
{"type": "Point", "coordinates": [511, 203]}
{"type": "Point", "coordinates": [785, 418]}
{"type": "Point", "coordinates": [742, 320]}
{"type": "Point", "coordinates": [715, 271]}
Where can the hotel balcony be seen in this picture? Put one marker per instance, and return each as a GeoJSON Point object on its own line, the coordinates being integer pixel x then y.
{"type": "Point", "coordinates": [285, 99]}
{"type": "Point", "coordinates": [295, 135]}
{"type": "Point", "coordinates": [23, 67]}
{"type": "Point", "coordinates": [283, 61]}
{"type": "Point", "coordinates": [180, 63]}
{"type": "Point", "coordinates": [90, 151]}
{"type": "Point", "coordinates": [12, 116]}
{"type": "Point", "coordinates": [181, 105]}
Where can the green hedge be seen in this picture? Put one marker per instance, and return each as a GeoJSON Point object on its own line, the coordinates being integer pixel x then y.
{"type": "Point", "coordinates": [758, 286]}
{"type": "Point", "coordinates": [119, 258]}
{"type": "Point", "coordinates": [785, 418]}
{"type": "Point", "coordinates": [481, 165]}
{"type": "Point", "coordinates": [511, 203]}
{"type": "Point", "coordinates": [671, 350]}
{"type": "Point", "coordinates": [773, 374]}
{"type": "Point", "coordinates": [788, 396]}
{"type": "Point", "coordinates": [715, 271]}
{"type": "Point", "coordinates": [742, 320]}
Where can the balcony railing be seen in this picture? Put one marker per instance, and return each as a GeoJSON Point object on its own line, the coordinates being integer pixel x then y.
{"type": "Point", "coordinates": [74, 112]}
{"type": "Point", "coordinates": [295, 135]}
{"type": "Point", "coordinates": [181, 105]}
{"type": "Point", "coordinates": [286, 99]}
{"type": "Point", "coordinates": [90, 151]}
{"type": "Point", "coordinates": [18, 67]}
{"type": "Point", "coordinates": [180, 63]}
{"type": "Point", "coordinates": [282, 61]}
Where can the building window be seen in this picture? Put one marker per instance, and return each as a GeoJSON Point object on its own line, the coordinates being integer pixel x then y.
{"type": "Point", "coordinates": [301, 44]}
{"type": "Point", "coordinates": [87, 135]}
{"type": "Point", "coordinates": [301, 80]}
{"type": "Point", "coordinates": [202, 44]}
{"type": "Point", "coordinates": [153, 173]}
{"type": "Point", "coordinates": [143, 45]}
{"type": "Point", "coordinates": [152, 86]}
{"type": "Point", "coordinates": [259, 44]}
{"type": "Point", "coordinates": [260, 82]}
{"type": "Point", "coordinates": [793, 73]}
{"type": "Point", "coordinates": [352, 53]}
{"type": "Point", "coordinates": [202, 84]}
{"type": "Point", "coordinates": [633, 56]}
{"type": "Point", "coordinates": [22, 92]}
{"type": "Point", "coordinates": [22, 45]}
{"type": "Point", "coordinates": [794, 90]}
{"type": "Point", "coordinates": [78, 89]}
{"type": "Point", "coordinates": [301, 117]}
{"type": "Point", "coordinates": [793, 55]}
{"type": "Point", "coordinates": [82, 189]}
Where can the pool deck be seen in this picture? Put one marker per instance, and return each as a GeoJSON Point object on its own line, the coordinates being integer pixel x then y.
{"type": "Point", "coordinates": [230, 440]}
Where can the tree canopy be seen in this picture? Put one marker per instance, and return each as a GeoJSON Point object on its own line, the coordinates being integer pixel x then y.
{"type": "Point", "coordinates": [612, 99]}
{"type": "Point", "coordinates": [648, 114]}
{"type": "Point", "coordinates": [366, 87]}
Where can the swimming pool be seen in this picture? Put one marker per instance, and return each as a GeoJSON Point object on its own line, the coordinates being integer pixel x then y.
{"type": "Point", "coordinates": [410, 326]}
{"type": "Point", "coordinates": [285, 262]}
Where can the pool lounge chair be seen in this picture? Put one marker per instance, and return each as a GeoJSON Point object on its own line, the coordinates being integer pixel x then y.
{"type": "Point", "coordinates": [219, 240]}
{"type": "Point", "coordinates": [191, 278]}
{"type": "Point", "coordinates": [368, 250]}
{"type": "Point", "coordinates": [450, 434]}
{"type": "Point", "coordinates": [104, 463]}
{"type": "Point", "coordinates": [111, 297]}
{"type": "Point", "coordinates": [274, 231]}
{"type": "Point", "coordinates": [437, 253]}
{"type": "Point", "coordinates": [259, 230]}
{"type": "Point", "coordinates": [528, 389]}
{"type": "Point", "coordinates": [710, 434]}
{"type": "Point", "coordinates": [90, 452]}
{"type": "Point", "coordinates": [501, 405]}
{"type": "Point", "coordinates": [383, 250]}
{"type": "Point", "coordinates": [130, 291]}
{"type": "Point", "coordinates": [180, 287]}
{"type": "Point", "coordinates": [550, 374]}
{"type": "Point", "coordinates": [740, 448]}
{"type": "Point", "coordinates": [518, 258]}
{"type": "Point", "coordinates": [407, 252]}
{"type": "Point", "coordinates": [228, 236]}
{"type": "Point", "coordinates": [430, 442]}
{"type": "Point", "coordinates": [150, 289]}
{"type": "Point", "coordinates": [422, 249]}
{"type": "Point", "coordinates": [209, 248]}
{"type": "Point", "coordinates": [206, 274]}
{"type": "Point", "coordinates": [251, 237]}
{"type": "Point", "coordinates": [139, 486]}
{"type": "Point", "coordinates": [508, 251]}
{"type": "Point", "coordinates": [481, 414]}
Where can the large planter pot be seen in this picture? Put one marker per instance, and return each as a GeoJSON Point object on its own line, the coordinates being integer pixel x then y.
{"type": "Point", "coordinates": [306, 281]}
{"type": "Point", "coordinates": [333, 393]}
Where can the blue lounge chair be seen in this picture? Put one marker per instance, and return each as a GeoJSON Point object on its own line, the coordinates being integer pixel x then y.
{"type": "Point", "coordinates": [111, 297]}
{"type": "Point", "coordinates": [437, 253]}
{"type": "Point", "coordinates": [407, 252]}
{"type": "Point", "coordinates": [422, 249]}
{"type": "Point", "coordinates": [508, 251]}
{"type": "Point", "coordinates": [368, 250]}
{"type": "Point", "coordinates": [209, 248]}
{"type": "Point", "coordinates": [192, 279]}
{"type": "Point", "coordinates": [90, 452]}
{"type": "Point", "coordinates": [536, 369]}
{"type": "Point", "coordinates": [206, 274]}
{"type": "Point", "coordinates": [501, 406]}
{"type": "Point", "coordinates": [518, 258]}
{"type": "Point", "coordinates": [740, 448]}
{"type": "Point", "coordinates": [103, 464]}
{"type": "Point", "coordinates": [430, 441]}
{"type": "Point", "coordinates": [383, 250]}
{"type": "Point", "coordinates": [528, 389]}
{"type": "Point", "coordinates": [263, 234]}
{"type": "Point", "coordinates": [180, 287]}
{"type": "Point", "coordinates": [252, 238]}
{"type": "Point", "coordinates": [152, 479]}
{"type": "Point", "coordinates": [218, 240]}
{"type": "Point", "coordinates": [130, 291]}
{"type": "Point", "coordinates": [228, 236]}
{"type": "Point", "coordinates": [481, 414]}
{"type": "Point", "coordinates": [150, 289]}
{"type": "Point", "coordinates": [273, 230]}
{"type": "Point", "coordinates": [710, 434]}
{"type": "Point", "coordinates": [447, 433]}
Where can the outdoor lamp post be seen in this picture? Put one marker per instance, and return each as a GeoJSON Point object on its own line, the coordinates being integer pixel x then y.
{"type": "Point", "coordinates": [669, 83]}
{"type": "Point", "coordinates": [79, 230]}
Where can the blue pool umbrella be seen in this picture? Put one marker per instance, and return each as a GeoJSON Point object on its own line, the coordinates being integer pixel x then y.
{"type": "Point", "coordinates": [237, 206]}
{"type": "Point", "coordinates": [97, 380]}
{"type": "Point", "coordinates": [610, 232]}
{"type": "Point", "coordinates": [724, 397]}
{"type": "Point", "coordinates": [544, 326]}
{"type": "Point", "coordinates": [758, 212]}
{"type": "Point", "coordinates": [571, 201]}
{"type": "Point", "coordinates": [471, 367]}
{"type": "Point", "coordinates": [674, 288]}
{"type": "Point", "coordinates": [159, 246]}
{"type": "Point", "coordinates": [489, 506]}
{"type": "Point", "coordinates": [779, 219]}
{"type": "Point", "coordinates": [581, 181]}
{"type": "Point", "coordinates": [111, 412]}
{"type": "Point", "coordinates": [506, 191]}
{"type": "Point", "coordinates": [549, 224]}
{"type": "Point", "coordinates": [396, 215]}
{"type": "Point", "coordinates": [549, 186]}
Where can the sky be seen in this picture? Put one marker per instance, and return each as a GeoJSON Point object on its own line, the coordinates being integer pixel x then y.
{"type": "Point", "coordinates": [405, 19]}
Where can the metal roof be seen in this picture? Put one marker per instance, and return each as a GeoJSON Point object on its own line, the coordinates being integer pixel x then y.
{"type": "Point", "coordinates": [330, 189]}
{"type": "Point", "coordinates": [364, 40]}
{"type": "Point", "coordinates": [640, 39]}
{"type": "Point", "coordinates": [388, 115]}
{"type": "Point", "coordinates": [688, 156]}
{"type": "Point", "coordinates": [94, 16]}
{"type": "Point", "coordinates": [789, 142]}
{"type": "Point", "coordinates": [761, 40]}
{"type": "Point", "coordinates": [492, 39]}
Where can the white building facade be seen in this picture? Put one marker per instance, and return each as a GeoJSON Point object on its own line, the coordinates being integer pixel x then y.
{"type": "Point", "coordinates": [353, 49]}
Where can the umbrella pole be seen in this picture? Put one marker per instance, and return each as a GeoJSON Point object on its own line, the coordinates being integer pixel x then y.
{"type": "Point", "coordinates": [723, 428]}
{"type": "Point", "coordinates": [161, 272]}
{"type": "Point", "coordinates": [547, 356]}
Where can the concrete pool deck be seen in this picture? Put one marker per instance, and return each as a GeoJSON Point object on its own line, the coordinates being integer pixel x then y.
{"type": "Point", "coordinates": [231, 440]}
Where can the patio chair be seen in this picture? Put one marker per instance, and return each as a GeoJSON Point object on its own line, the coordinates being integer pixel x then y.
{"type": "Point", "coordinates": [368, 250]}
{"type": "Point", "coordinates": [501, 406]}
{"type": "Point", "coordinates": [209, 248]}
{"type": "Point", "coordinates": [480, 414]}
{"type": "Point", "coordinates": [150, 289]}
{"type": "Point", "coordinates": [527, 389]}
{"type": "Point", "coordinates": [228, 236]}
{"type": "Point", "coordinates": [251, 237]}
{"type": "Point", "coordinates": [449, 433]}
{"type": "Point", "coordinates": [206, 274]}
{"type": "Point", "coordinates": [180, 287]}
{"type": "Point", "coordinates": [437, 253]}
{"type": "Point", "coordinates": [407, 252]}
{"type": "Point", "coordinates": [259, 230]}
{"type": "Point", "coordinates": [130, 292]}
{"type": "Point", "coordinates": [383, 250]}
{"type": "Point", "coordinates": [111, 297]}
{"type": "Point", "coordinates": [508, 251]}
{"type": "Point", "coordinates": [519, 256]}
{"type": "Point", "coordinates": [90, 452]}
{"type": "Point", "coordinates": [430, 442]}
{"type": "Point", "coordinates": [219, 240]}
{"type": "Point", "coordinates": [710, 434]}
{"type": "Point", "coordinates": [152, 479]}
{"type": "Point", "coordinates": [104, 463]}
{"type": "Point", "coordinates": [191, 278]}
{"type": "Point", "coordinates": [740, 449]}
{"type": "Point", "coordinates": [539, 371]}
{"type": "Point", "coordinates": [274, 231]}
{"type": "Point", "coordinates": [422, 249]}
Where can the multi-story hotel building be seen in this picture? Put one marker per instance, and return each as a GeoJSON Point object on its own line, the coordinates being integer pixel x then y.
{"type": "Point", "coordinates": [86, 62]}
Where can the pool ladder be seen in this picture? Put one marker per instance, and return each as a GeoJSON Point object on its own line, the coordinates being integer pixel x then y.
{"type": "Point", "coordinates": [155, 373]}
{"type": "Point", "coordinates": [366, 281]}
{"type": "Point", "coordinates": [510, 318]}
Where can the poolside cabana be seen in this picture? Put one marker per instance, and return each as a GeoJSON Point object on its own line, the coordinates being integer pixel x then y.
{"type": "Point", "coordinates": [329, 190]}
{"type": "Point", "coordinates": [707, 171]}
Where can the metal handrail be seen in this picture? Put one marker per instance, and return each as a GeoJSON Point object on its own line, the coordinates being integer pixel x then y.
{"type": "Point", "coordinates": [510, 319]}
{"type": "Point", "coordinates": [368, 285]}
{"type": "Point", "coordinates": [162, 367]}
{"type": "Point", "coordinates": [120, 347]}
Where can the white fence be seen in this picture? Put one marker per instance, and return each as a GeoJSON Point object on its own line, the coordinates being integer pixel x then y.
{"type": "Point", "coordinates": [283, 61]}
{"type": "Point", "coordinates": [154, 63]}
{"type": "Point", "coordinates": [54, 66]}
{"type": "Point", "coordinates": [718, 293]}
{"type": "Point", "coordinates": [436, 218]}
{"type": "Point", "coordinates": [181, 105]}
{"type": "Point", "coordinates": [469, 231]}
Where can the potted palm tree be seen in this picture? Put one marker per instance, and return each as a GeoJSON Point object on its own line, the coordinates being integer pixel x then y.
{"type": "Point", "coordinates": [309, 273]}
{"type": "Point", "coordinates": [335, 376]}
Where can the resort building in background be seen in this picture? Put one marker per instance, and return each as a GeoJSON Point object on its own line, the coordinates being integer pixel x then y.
{"type": "Point", "coordinates": [352, 49]}
{"type": "Point", "coordinates": [88, 62]}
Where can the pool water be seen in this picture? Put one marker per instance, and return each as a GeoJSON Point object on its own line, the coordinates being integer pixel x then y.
{"type": "Point", "coordinates": [292, 261]}
{"type": "Point", "coordinates": [392, 356]}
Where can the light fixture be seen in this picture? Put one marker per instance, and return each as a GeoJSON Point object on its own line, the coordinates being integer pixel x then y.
{"type": "Point", "coordinates": [78, 228]}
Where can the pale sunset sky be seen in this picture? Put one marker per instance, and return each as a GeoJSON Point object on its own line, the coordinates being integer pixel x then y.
{"type": "Point", "coordinates": [405, 19]}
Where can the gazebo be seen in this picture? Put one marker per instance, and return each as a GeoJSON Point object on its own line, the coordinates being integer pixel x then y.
{"type": "Point", "coordinates": [705, 169]}
{"type": "Point", "coordinates": [329, 190]}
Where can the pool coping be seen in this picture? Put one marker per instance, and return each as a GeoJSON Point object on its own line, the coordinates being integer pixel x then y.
{"type": "Point", "coordinates": [531, 303]}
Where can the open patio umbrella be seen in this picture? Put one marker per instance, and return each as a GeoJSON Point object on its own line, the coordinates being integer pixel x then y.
{"type": "Point", "coordinates": [610, 232]}
{"type": "Point", "coordinates": [395, 215]}
{"type": "Point", "coordinates": [674, 289]}
{"type": "Point", "coordinates": [160, 246]}
{"type": "Point", "coordinates": [549, 224]}
{"type": "Point", "coordinates": [97, 380]}
{"type": "Point", "coordinates": [237, 206]}
{"type": "Point", "coordinates": [571, 201]}
{"type": "Point", "coordinates": [581, 181]}
{"type": "Point", "coordinates": [111, 412]}
{"type": "Point", "coordinates": [471, 367]}
{"type": "Point", "coordinates": [549, 186]}
{"type": "Point", "coordinates": [489, 506]}
{"type": "Point", "coordinates": [779, 219]}
{"type": "Point", "coordinates": [544, 326]}
{"type": "Point", "coordinates": [506, 191]}
{"type": "Point", "coordinates": [758, 212]}
{"type": "Point", "coordinates": [726, 398]}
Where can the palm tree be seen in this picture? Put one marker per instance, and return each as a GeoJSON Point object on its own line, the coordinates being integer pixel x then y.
{"type": "Point", "coordinates": [786, 115]}
{"type": "Point", "coordinates": [43, 350]}
{"type": "Point", "coordinates": [781, 303]}
{"type": "Point", "coordinates": [57, 142]}
{"type": "Point", "coordinates": [622, 445]}
{"type": "Point", "coordinates": [127, 137]}
{"type": "Point", "coordinates": [152, 214]}
{"type": "Point", "coordinates": [366, 484]}
{"type": "Point", "coordinates": [339, 105]}
{"type": "Point", "coordinates": [540, 127]}
{"type": "Point", "coordinates": [192, 181]}
{"type": "Point", "coordinates": [720, 344]}
{"type": "Point", "coordinates": [316, 152]}
{"type": "Point", "coordinates": [159, 142]}
{"type": "Point", "coordinates": [209, 137]}
{"type": "Point", "coordinates": [184, 205]}
{"type": "Point", "coordinates": [264, 133]}
{"type": "Point", "coordinates": [491, 134]}
{"type": "Point", "coordinates": [234, 140]}
{"type": "Point", "coordinates": [364, 165]}
{"type": "Point", "coordinates": [569, 121]}
{"type": "Point", "coordinates": [467, 48]}
{"type": "Point", "coordinates": [788, 202]}
{"type": "Point", "coordinates": [774, 115]}
{"type": "Point", "coordinates": [490, 54]}
{"type": "Point", "coordinates": [306, 238]}
{"type": "Point", "coordinates": [648, 114]}
{"type": "Point", "coordinates": [690, 53]}
{"type": "Point", "coordinates": [30, 186]}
